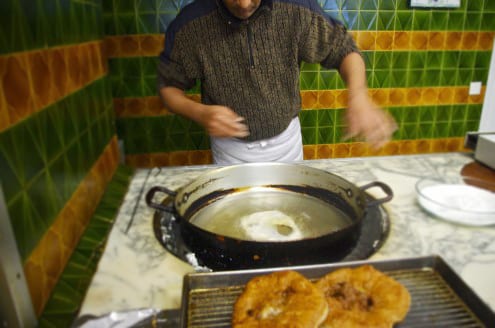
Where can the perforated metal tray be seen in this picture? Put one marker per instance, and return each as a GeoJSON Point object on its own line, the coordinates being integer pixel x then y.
{"type": "Point", "coordinates": [440, 298]}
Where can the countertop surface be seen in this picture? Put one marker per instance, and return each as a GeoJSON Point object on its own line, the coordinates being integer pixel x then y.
{"type": "Point", "coordinates": [136, 272]}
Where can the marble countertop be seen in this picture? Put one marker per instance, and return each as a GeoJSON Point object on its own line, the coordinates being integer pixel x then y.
{"type": "Point", "coordinates": [136, 272]}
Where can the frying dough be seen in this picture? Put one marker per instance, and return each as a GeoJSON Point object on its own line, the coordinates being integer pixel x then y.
{"type": "Point", "coordinates": [270, 226]}
{"type": "Point", "coordinates": [280, 299]}
{"type": "Point", "coordinates": [363, 297]}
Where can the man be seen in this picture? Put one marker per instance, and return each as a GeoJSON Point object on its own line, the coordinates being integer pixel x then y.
{"type": "Point", "coordinates": [247, 56]}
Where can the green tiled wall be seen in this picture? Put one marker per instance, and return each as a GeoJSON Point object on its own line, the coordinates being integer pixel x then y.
{"type": "Point", "coordinates": [44, 157]}
{"type": "Point", "coordinates": [134, 76]}
{"type": "Point", "coordinates": [34, 24]}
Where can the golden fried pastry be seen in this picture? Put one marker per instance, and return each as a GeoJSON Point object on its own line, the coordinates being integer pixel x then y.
{"type": "Point", "coordinates": [280, 299]}
{"type": "Point", "coordinates": [363, 297]}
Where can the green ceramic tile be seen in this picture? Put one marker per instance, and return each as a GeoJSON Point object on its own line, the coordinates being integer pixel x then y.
{"type": "Point", "coordinates": [410, 115]}
{"type": "Point", "coordinates": [308, 118]}
{"type": "Point", "coordinates": [472, 126]}
{"type": "Point", "coordinates": [124, 6]}
{"type": "Point", "coordinates": [351, 18]}
{"type": "Point", "coordinates": [399, 78]}
{"type": "Point", "coordinates": [400, 4]}
{"type": "Point", "coordinates": [475, 5]}
{"type": "Point", "coordinates": [408, 131]}
{"type": "Point", "coordinates": [200, 141]}
{"type": "Point", "coordinates": [387, 4]}
{"type": "Point", "coordinates": [416, 78]}
{"type": "Point", "coordinates": [432, 77]}
{"type": "Point", "coordinates": [309, 136]}
{"type": "Point", "coordinates": [385, 21]}
{"type": "Point", "coordinates": [483, 59]}
{"type": "Point", "coordinates": [27, 224]}
{"type": "Point", "coordinates": [45, 198]}
{"type": "Point", "coordinates": [369, 5]}
{"type": "Point", "coordinates": [403, 21]}
{"type": "Point", "coordinates": [473, 112]}
{"type": "Point", "coordinates": [417, 60]}
{"type": "Point", "coordinates": [426, 114]}
{"type": "Point", "coordinates": [434, 59]}
{"type": "Point", "coordinates": [327, 80]}
{"type": "Point", "coordinates": [447, 77]}
{"type": "Point", "coordinates": [367, 20]}
{"type": "Point", "coordinates": [458, 113]}
{"type": "Point", "coordinates": [443, 114]}
{"type": "Point", "coordinates": [473, 21]}
{"type": "Point", "coordinates": [383, 79]}
{"type": "Point", "coordinates": [425, 130]}
{"type": "Point", "coordinates": [480, 75]}
{"type": "Point", "coordinates": [351, 4]}
{"type": "Point", "coordinates": [325, 135]}
{"type": "Point", "coordinates": [148, 24]}
{"type": "Point", "coordinates": [10, 182]}
{"type": "Point", "coordinates": [330, 5]}
{"type": "Point", "coordinates": [464, 76]}
{"type": "Point", "coordinates": [382, 60]}
{"type": "Point", "coordinates": [439, 20]}
{"type": "Point", "coordinates": [327, 118]}
{"type": "Point", "coordinates": [308, 80]}
{"type": "Point", "coordinates": [467, 59]}
{"type": "Point", "coordinates": [441, 130]}
{"type": "Point", "coordinates": [421, 20]}
{"type": "Point", "coordinates": [457, 129]}
{"type": "Point", "coordinates": [400, 60]}
{"type": "Point", "coordinates": [489, 6]}
{"type": "Point", "coordinates": [456, 21]}
{"type": "Point", "coordinates": [451, 59]}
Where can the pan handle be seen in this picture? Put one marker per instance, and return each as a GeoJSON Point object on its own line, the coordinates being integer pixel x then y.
{"type": "Point", "coordinates": [386, 189]}
{"type": "Point", "coordinates": [151, 194]}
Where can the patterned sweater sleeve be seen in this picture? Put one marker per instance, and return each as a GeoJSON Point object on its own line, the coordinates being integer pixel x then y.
{"type": "Point", "coordinates": [326, 42]}
{"type": "Point", "coordinates": [176, 66]}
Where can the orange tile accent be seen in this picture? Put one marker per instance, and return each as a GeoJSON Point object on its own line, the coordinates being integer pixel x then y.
{"type": "Point", "coordinates": [48, 259]}
{"type": "Point", "coordinates": [454, 41]}
{"type": "Point", "coordinates": [33, 80]}
{"type": "Point", "coordinates": [137, 45]}
{"type": "Point", "coordinates": [324, 151]}
{"type": "Point", "coordinates": [419, 40]}
{"type": "Point", "coordinates": [310, 151]}
{"type": "Point", "coordinates": [366, 39]}
{"type": "Point", "coordinates": [436, 40]}
{"type": "Point", "coordinates": [402, 40]}
{"type": "Point", "coordinates": [176, 158]}
{"type": "Point", "coordinates": [321, 151]}
{"type": "Point", "coordinates": [143, 106]}
{"type": "Point", "coordinates": [309, 99]}
{"type": "Point", "coordinates": [384, 40]}
{"type": "Point", "coordinates": [326, 99]}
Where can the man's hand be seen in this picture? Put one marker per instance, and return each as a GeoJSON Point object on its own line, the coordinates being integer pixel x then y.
{"type": "Point", "coordinates": [364, 119]}
{"type": "Point", "coordinates": [367, 121]}
{"type": "Point", "coordinates": [221, 121]}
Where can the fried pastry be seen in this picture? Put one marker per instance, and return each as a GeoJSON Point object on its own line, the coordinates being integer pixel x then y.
{"type": "Point", "coordinates": [280, 299]}
{"type": "Point", "coordinates": [363, 297]}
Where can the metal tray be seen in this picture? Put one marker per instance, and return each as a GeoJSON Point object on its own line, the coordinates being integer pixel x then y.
{"type": "Point", "coordinates": [440, 298]}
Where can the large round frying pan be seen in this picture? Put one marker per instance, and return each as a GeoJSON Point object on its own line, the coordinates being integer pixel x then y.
{"type": "Point", "coordinates": [268, 214]}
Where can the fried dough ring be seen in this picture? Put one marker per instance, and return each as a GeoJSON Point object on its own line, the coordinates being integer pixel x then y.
{"type": "Point", "coordinates": [280, 299]}
{"type": "Point", "coordinates": [363, 297]}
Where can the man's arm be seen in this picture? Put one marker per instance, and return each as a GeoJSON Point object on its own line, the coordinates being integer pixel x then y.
{"type": "Point", "coordinates": [219, 121]}
{"type": "Point", "coordinates": [364, 118]}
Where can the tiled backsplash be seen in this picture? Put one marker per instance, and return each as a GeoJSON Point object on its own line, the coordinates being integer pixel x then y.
{"type": "Point", "coordinates": [58, 148]}
{"type": "Point", "coordinates": [419, 63]}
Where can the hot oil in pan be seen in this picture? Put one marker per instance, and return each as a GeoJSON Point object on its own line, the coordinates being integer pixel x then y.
{"type": "Point", "coordinates": [267, 214]}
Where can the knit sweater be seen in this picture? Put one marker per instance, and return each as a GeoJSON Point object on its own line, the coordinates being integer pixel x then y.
{"type": "Point", "coordinates": [251, 66]}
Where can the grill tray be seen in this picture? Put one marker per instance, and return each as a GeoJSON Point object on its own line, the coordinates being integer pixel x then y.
{"type": "Point", "coordinates": [439, 297]}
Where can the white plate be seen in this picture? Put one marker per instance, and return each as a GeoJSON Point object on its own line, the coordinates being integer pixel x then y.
{"type": "Point", "coordinates": [461, 201]}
